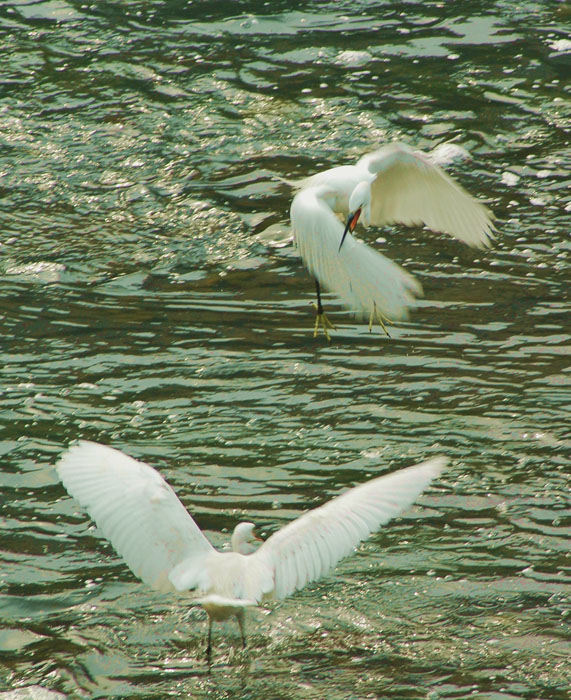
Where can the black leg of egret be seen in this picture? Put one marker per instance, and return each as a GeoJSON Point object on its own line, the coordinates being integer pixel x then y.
{"type": "Point", "coordinates": [209, 645]}
{"type": "Point", "coordinates": [240, 619]}
{"type": "Point", "coordinates": [318, 290]}
{"type": "Point", "coordinates": [320, 318]}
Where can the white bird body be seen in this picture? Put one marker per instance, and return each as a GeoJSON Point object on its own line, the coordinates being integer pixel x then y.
{"type": "Point", "coordinates": [360, 276]}
{"type": "Point", "coordinates": [146, 523]}
{"type": "Point", "coordinates": [393, 184]}
{"type": "Point", "coordinates": [232, 577]}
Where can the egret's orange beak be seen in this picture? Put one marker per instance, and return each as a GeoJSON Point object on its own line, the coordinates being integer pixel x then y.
{"type": "Point", "coordinates": [350, 225]}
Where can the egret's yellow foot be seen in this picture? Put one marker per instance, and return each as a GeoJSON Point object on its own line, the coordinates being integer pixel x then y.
{"type": "Point", "coordinates": [322, 320]}
{"type": "Point", "coordinates": [376, 314]}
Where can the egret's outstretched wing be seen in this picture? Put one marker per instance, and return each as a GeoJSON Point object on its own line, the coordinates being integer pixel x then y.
{"type": "Point", "coordinates": [135, 509]}
{"type": "Point", "coordinates": [361, 277]}
{"type": "Point", "coordinates": [310, 546]}
{"type": "Point", "coordinates": [412, 190]}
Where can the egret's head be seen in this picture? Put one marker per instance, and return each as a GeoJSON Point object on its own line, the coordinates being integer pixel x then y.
{"type": "Point", "coordinates": [359, 206]}
{"type": "Point", "coordinates": [244, 539]}
{"type": "Point", "coordinates": [360, 198]}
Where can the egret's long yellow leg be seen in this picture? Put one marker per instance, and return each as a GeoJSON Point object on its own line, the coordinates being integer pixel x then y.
{"type": "Point", "coordinates": [376, 314]}
{"type": "Point", "coordinates": [320, 318]}
{"type": "Point", "coordinates": [322, 321]}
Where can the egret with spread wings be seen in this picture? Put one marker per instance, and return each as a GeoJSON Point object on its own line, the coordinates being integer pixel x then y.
{"type": "Point", "coordinates": [140, 514]}
{"type": "Point", "coordinates": [393, 184]}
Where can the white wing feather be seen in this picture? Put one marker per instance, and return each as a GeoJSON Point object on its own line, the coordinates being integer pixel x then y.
{"type": "Point", "coordinates": [360, 276]}
{"type": "Point", "coordinates": [412, 190]}
{"type": "Point", "coordinates": [136, 510]}
{"type": "Point", "coordinates": [310, 546]}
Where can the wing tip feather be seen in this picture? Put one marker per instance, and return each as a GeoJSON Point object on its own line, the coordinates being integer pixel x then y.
{"type": "Point", "coordinates": [437, 464]}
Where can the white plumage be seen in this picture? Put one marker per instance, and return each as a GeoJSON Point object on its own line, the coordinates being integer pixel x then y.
{"type": "Point", "coordinates": [359, 275]}
{"type": "Point", "coordinates": [393, 184]}
{"type": "Point", "coordinates": [142, 517]}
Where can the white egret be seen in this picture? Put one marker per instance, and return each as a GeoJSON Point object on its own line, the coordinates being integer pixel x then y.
{"type": "Point", "coordinates": [140, 514]}
{"type": "Point", "coordinates": [393, 184]}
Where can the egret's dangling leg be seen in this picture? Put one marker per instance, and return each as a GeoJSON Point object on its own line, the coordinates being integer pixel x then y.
{"type": "Point", "coordinates": [376, 313]}
{"type": "Point", "coordinates": [321, 319]}
{"type": "Point", "coordinates": [209, 645]}
{"type": "Point", "coordinates": [241, 621]}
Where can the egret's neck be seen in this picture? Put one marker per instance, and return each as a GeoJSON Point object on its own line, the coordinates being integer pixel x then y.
{"type": "Point", "coordinates": [336, 185]}
{"type": "Point", "coordinates": [242, 540]}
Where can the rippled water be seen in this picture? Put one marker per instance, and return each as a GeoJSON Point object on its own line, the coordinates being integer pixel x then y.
{"type": "Point", "coordinates": [151, 299]}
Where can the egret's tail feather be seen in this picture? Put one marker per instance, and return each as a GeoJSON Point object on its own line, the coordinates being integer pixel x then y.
{"type": "Point", "coordinates": [220, 607]}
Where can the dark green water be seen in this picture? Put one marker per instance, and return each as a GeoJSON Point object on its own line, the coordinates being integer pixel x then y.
{"type": "Point", "coordinates": [151, 300]}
